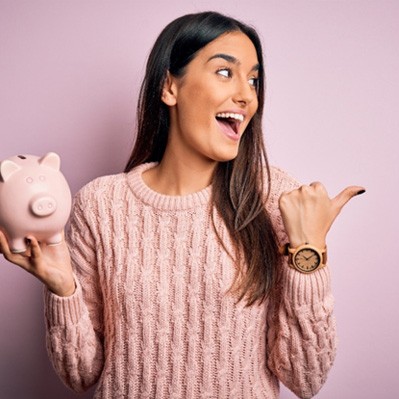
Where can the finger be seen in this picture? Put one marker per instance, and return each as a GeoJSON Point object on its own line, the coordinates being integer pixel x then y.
{"type": "Point", "coordinates": [4, 248]}
{"type": "Point", "coordinates": [316, 184]}
{"type": "Point", "coordinates": [16, 258]}
{"type": "Point", "coordinates": [346, 194]}
{"type": "Point", "coordinates": [35, 250]}
{"type": "Point", "coordinates": [318, 187]}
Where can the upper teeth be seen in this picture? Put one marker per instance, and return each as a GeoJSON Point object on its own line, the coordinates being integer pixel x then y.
{"type": "Point", "coordinates": [238, 117]}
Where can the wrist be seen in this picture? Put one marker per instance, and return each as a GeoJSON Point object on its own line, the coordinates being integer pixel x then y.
{"type": "Point", "coordinates": [318, 242]}
{"type": "Point", "coordinates": [64, 290]}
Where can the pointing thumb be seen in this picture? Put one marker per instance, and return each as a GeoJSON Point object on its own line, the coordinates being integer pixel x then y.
{"type": "Point", "coordinates": [346, 194]}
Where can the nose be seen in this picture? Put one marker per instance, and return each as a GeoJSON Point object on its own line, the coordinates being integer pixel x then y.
{"type": "Point", "coordinates": [43, 205]}
{"type": "Point", "coordinates": [244, 93]}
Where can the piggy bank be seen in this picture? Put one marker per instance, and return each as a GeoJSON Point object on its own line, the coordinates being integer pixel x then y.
{"type": "Point", "coordinates": [35, 199]}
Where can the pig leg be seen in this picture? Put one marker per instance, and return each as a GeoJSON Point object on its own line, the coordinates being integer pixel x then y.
{"type": "Point", "coordinates": [17, 245]}
{"type": "Point", "coordinates": [54, 240]}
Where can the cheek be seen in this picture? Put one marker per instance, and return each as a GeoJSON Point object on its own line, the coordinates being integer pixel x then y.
{"type": "Point", "coordinates": [198, 112]}
{"type": "Point", "coordinates": [253, 113]}
{"type": "Point", "coordinates": [254, 106]}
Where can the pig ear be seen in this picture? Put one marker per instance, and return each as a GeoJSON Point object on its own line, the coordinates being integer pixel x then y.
{"type": "Point", "coordinates": [52, 160]}
{"type": "Point", "coordinates": [7, 168]}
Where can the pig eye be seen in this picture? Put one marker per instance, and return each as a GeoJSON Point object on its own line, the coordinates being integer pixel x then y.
{"type": "Point", "coordinates": [29, 180]}
{"type": "Point", "coordinates": [42, 178]}
{"type": "Point", "coordinates": [21, 157]}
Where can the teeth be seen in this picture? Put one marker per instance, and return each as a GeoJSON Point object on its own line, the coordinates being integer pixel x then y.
{"type": "Point", "coordinates": [230, 115]}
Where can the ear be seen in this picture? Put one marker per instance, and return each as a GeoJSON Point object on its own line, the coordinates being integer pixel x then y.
{"type": "Point", "coordinates": [52, 160]}
{"type": "Point", "coordinates": [8, 168]}
{"type": "Point", "coordinates": [169, 91]}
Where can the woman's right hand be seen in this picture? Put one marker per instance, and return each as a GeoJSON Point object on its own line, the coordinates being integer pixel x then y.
{"type": "Point", "coordinates": [51, 264]}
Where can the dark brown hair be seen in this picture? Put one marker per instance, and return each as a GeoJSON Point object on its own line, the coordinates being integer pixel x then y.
{"type": "Point", "coordinates": [238, 191]}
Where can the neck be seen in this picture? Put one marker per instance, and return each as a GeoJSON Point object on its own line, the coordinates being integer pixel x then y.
{"type": "Point", "coordinates": [176, 176]}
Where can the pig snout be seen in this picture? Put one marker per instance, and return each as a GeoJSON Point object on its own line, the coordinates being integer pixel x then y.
{"type": "Point", "coordinates": [43, 205]}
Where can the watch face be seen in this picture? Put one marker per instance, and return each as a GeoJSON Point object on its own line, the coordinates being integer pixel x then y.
{"type": "Point", "coordinates": [307, 260]}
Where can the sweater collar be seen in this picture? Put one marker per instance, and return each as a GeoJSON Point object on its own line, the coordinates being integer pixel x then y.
{"type": "Point", "coordinates": [162, 201]}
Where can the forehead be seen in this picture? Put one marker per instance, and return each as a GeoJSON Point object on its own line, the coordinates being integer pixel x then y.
{"type": "Point", "coordinates": [236, 44]}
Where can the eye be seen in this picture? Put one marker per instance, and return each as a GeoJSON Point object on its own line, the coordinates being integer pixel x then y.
{"type": "Point", "coordinates": [254, 82]}
{"type": "Point", "coordinates": [226, 72]}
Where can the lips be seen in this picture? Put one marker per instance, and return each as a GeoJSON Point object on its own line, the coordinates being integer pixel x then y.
{"type": "Point", "coordinates": [229, 123]}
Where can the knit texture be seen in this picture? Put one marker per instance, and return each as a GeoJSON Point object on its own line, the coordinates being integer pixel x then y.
{"type": "Point", "coordinates": [151, 316]}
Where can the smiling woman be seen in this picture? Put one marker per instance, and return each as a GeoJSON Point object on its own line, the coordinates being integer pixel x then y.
{"type": "Point", "coordinates": [213, 66]}
{"type": "Point", "coordinates": [171, 283]}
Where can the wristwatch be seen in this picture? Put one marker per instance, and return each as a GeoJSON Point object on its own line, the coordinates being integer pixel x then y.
{"type": "Point", "coordinates": [306, 258]}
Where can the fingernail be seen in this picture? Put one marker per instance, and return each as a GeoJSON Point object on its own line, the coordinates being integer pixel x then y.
{"type": "Point", "coordinates": [360, 192]}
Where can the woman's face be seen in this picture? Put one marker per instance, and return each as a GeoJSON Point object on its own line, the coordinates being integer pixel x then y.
{"type": "Point", "coordinates": [213, 102]}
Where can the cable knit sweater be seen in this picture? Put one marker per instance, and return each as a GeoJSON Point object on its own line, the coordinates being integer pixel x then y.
{"type": "Point", "coordinates": [151, 316]}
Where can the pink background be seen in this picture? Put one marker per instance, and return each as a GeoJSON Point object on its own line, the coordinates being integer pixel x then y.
{"type": "Point", "coordinates": [69, 76]}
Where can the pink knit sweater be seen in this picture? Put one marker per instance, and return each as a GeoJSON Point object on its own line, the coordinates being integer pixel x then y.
{"type": "Point", "coordinates": [150, 317]}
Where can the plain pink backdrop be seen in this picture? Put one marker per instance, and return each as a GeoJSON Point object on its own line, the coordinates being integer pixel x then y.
{"type": "Point", "coordinates": [69, 77]}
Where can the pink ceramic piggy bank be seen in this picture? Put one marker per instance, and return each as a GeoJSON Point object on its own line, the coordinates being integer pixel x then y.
{"type": "Point", "coordinates": [35, 199]}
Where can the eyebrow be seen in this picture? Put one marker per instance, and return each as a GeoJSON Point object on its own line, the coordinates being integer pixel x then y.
{"type": "Point", "coordinates": [231, 59]}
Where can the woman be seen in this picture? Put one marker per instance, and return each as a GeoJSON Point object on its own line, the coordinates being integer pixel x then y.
{"type": "Point", "coordinates": [177, 287]}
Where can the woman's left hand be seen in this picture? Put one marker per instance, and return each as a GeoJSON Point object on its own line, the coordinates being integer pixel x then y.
{"type": "Point", "coordinates": [308, 212]}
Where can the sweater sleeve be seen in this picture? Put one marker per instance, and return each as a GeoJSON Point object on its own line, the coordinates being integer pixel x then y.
{"type": "Point", "coordinates": [301, 338]}
{"type": "Point", "coordinates": [74, 335]}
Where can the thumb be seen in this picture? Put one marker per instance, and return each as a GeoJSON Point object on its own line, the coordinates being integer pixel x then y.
{"type": "Point", "coordinates": [346, 194]}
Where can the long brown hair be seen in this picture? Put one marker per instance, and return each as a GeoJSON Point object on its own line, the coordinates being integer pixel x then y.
{"type": "Point", "coordinates": [238, 185]}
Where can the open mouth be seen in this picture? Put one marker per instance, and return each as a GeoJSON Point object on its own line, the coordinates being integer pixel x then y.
{"type": "Point", "coordinates": [230, 122]}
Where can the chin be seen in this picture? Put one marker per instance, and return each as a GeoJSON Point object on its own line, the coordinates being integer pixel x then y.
{"type": "Point", "coordinates": [226, 157]}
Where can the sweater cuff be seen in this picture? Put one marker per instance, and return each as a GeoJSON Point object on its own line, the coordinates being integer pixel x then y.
{"type": "Point", "coordinates": [305, 289]}
{"type": "Point", "coordinates": [63, 310]}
